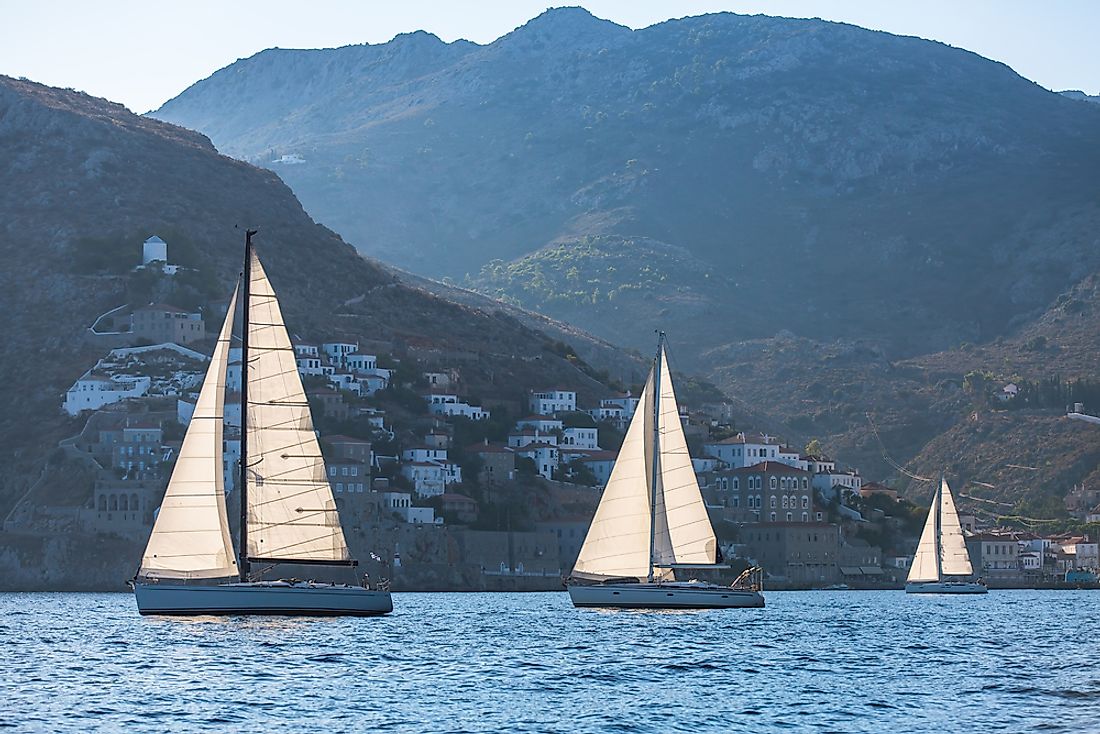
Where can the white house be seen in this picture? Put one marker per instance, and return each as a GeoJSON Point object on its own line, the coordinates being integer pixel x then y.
{"type": "Point", "coordinates": [545, 456]}
{"type": "Point", "coordinates": [424, 454]}
{"type": "Point", "coordinates": [309, 365]}
{"type": "Point", "coordinates": [92, 392]}
{"type": "Point", "coordinates": [704, 464]}
{"type": "Point", "coordinates": [624, 401]}
{"type": "Point", "coordinates": [541, 423]}
{"type": "Point", "coordinates": [447, 404]}
{"type": "Point", "coordinates": [611, 414]}
{"type": "Point", "coordinates": [741, 451]}
{"type": "Point", "coordinates": [582, 438]}
{"type": "Point", "coordinates": [548, 402]}
{"type": "Point", "coordinates": [526, 436]}
{"type": "Point", "coordinates": [338, 351]}
{"type": "Point", "coordinates": [361, 363]}
{"type": "Point", "coordinates": [427, 477]}
{"type": "Point", "coordinates": [305, 349]}
{"type": "Point", "coordinates": [829, 483]}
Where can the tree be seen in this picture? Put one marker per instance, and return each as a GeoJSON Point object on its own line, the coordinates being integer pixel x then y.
{"type": "Point", "coordinates": [813, 448]}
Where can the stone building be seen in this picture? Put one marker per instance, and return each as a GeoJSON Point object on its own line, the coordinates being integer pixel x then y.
{"type": "Point", "coordinates": [767, 492]}
{"type": "Point", "coordinates": [804, 554]}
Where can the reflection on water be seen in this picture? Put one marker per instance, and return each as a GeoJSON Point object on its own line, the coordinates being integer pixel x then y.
{"type": "Point", "coordinates": [843, 662]}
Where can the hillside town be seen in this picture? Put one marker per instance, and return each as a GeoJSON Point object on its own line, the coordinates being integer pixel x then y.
{"type": "Point", "coordinates": [445, 489]}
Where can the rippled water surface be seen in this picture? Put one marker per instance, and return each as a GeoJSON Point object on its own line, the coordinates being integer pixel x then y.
{"type": "Point", "coordinates": [812, 661]}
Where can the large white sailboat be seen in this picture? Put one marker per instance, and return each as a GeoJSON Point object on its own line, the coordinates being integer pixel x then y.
{"type": "Point", "coordinates": [288, 514]}
{"type": "Point", "coordinates": [942, 563]}
{"type": "Point", "coordinates": [651, 521]}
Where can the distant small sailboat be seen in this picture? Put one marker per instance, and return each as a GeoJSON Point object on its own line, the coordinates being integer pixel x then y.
{"type": "Point", "coordinates": [942, 563]}
{"type": "Point", "coordinates": [288, 514]}
{"type": "Point", "coordinates": [651, 520]}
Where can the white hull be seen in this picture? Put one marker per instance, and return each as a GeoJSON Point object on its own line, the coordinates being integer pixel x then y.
{"type": "Point", "coordinates": [945, 587]}
{"type": "Point", "coordinates": [663, 596]}
{"type": "Point", "coordinates": [265, 597]}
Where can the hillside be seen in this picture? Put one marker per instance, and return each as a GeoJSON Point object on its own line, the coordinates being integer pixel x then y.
{"type": "Point", "coordinates": [752, 174]}
{"type": "Point", "coordinates": [86, 182]}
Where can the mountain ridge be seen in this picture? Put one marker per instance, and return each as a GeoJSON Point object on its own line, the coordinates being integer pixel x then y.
{"type": "Point", "coordinates": [752, 144]}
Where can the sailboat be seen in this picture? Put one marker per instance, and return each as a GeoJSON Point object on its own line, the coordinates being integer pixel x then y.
{"type": "Point", "coordinates": [288, 514]}
{"type": "Point", "coordinates": [651, 521]}
{"type": "Point", "coordinates": [942, 563]}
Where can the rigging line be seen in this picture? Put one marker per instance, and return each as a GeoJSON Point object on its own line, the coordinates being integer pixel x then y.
{"type": "Point", "coordinates": [888, 459]}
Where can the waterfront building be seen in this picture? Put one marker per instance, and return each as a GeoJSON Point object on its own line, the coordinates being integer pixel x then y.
{"type": "Point", "coordinates": [767, 492]}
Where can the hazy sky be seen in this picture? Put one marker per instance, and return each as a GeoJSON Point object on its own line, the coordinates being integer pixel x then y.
{"type": "Point", "coordinates": [142, 53]}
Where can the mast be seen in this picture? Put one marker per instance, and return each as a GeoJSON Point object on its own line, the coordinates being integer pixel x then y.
{"type": "Point", "coordinates": [246, 282]}
{"type": "Point", "coordinates": [937, 508]}
{"type": "Point", "coordinates": [656, 472]}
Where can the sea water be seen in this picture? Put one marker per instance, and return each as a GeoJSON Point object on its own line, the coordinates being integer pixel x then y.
{"type": "Point", "coordinates": [823, 661]}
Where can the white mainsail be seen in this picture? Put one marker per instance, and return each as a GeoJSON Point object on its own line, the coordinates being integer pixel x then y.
{"type": "Point", "coordinates": [291, 510]}
{"type": "Point", "coordinates": [954, 558]}
{"type": "Point", "coordinates": [618, 543]}
{"type": "Point", "coordinates": [691, 536]}
{"type": "Point", "coordinates": [942, 548]}
{"type": "Point", "coordinates": [190, 538]}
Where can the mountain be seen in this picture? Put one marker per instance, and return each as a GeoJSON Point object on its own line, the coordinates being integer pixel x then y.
{"type": "Point", "coordinates": [86, 182]}
{"type": "Point", "coordinates": [1078, 94]}
{"type": "Point", "coordinates": [725, 176]}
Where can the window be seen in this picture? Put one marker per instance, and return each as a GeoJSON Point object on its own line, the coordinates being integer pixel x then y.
{"type": "Point", "coordinates": [773, 483]}
{"type": "Point", "coordinates": [736, 501]}
{"type": "Point", "coordinates": [339, 486]}
{"type": "Point", "coordinates": [805, 502]}
{"type": "Point", "coordinates": [773, 503]}
{"type": "Point", "coordinates": [355, 471]}
{"type": "Point", "coordinates": [332, 471]}
{"type": "Point", "coordinates": [785, 503]}
{"type": "Point", "coordinates": [806, 518]}
{"type": "Point", "coordinates": [735, 484]}
{"type": "Point", "coordinates": [805, 483]}
{"type": "Point", "coordinates": [773, 517]}
{"type": "Point", "coordinates": [790, 516]}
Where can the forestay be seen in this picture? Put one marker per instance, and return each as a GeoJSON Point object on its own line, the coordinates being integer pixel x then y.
{"type": "Point", "coordinates": [291, 510]}
{"type": "Point", "coordinates": [190, 538]}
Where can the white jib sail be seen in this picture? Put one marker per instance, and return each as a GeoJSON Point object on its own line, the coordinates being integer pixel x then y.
{"type": "Point", "coordinates": [924, 566]}
{"type": "Point", "coordinates": [686, 522]}
{"type": "Point", "coordinates": [190, 537]}
{"type": "Point", "coordinates": [291, 510]}
{"type": "Point", "coordinates": [617, 543]}
{"type": "Point", "coordinates": [955, 560]}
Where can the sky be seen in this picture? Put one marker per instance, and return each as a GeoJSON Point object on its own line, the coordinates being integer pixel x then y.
{"type": "Point", "coordinates": [144, 53]}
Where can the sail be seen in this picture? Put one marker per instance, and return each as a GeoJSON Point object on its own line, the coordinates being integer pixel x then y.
{"type": "Point", "coordinates": [618, 539]}
{"type": "Point", "coordinates": [925, 567]}
{"type": "Point", "coordinates": [291, 510]}
{"type": "Point", "coordinates": [686, 522]}
{"type": "Point", "coordinates": [954, 559]}
{"type": "Point", "coordinates": [190, 538]}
